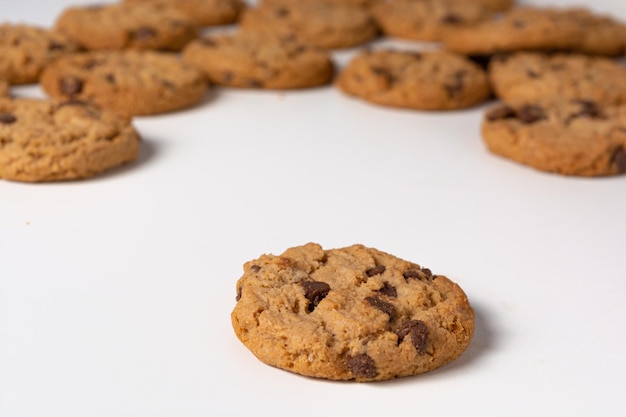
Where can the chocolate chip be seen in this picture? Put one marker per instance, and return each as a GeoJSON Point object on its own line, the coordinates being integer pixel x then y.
{"type": "Point", "coordinates": [71, 86]}
{"type": "Point", "coordinates": [383, 73]}
{"type": "Point", "coordinates": [500, 113]}
{"type": "Point", "coordinates": [418, 331]}
{"type": "Point", "coordinates": [427, 273]}
{"type": "Point", "coordinates": [422, 274]}
{"type": "Point", "coordinates": [377, 270]}
{"type": "Point", "coordinates": [518, 24]}
{"type": "Point", "coordinates": [7, 118]}
{"type": "Point", "coordinates": [589, 109]}
{"type": "Point", "coordinates": [91, 63]}
{"type": "Point", "coordinates": [451, 19]}
{"type": "Point", "coordinates": [255, 83]}
{"type": "Point", "coordinates": [530, 114]}
{"type": "Point", "coordinates": [619, 159]}
{"type": "Point", "coordinates": [238, 296]}
{"type": "Point", "coordinates": [456, 86]}
{"type": "Point", "coordinates": [110, 78]}
{"type": "Point", "coordinates": [144, 33]}
{"type": "Point", "coordinates": [361, 365]}
{"type": "Point", "coordinates": [168, 84]}
{"type": "Point", "coordinates": [388, 290]}
{"type": "Point", "coordinates": [255, 268]}
{"type": "Point", "coordinates": [208, 42]}
{"type": "Point", "coordinates": [281, 12]}
{"type": "Point", "coordinates": [314, 291]}
{"type": "Point", "coordinates": [532, 74]}
{"type": "Point", "coordinates": [55, 46]}
{"type": "Point", "coordinates": [383, 306]}
{"type": "Point", "coordinates": [89, 108]}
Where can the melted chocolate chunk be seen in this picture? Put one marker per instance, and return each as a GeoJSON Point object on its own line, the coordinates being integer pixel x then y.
{"type": "Point", "coordinates": [422, 274]}
{"type": "Point", "coordinates": [314, 291]}
{"type": "Point", "coordinates": [71, 86]}
{"type": "Point", "coordinates": [619, 159]}
{"type": "Point", "coordinates": [377, 270]}
{"type": "Point", "coordinates": [383, 73]}
{"type": "Point", "coordinates": [238, 296]}
{"type": "Point", "coordinates": [500, 113]}
{"type": "Point", "coordinates": [530, 114]}
{"type": "Point", "coordinates": [7, 118]}
{"type": "Point", "coordinates": [418, 331]}
{"type": "Point", "coordinates": [589, 109]}
{"type": "Point", "coordinates": [144, 33]}
{"type": "Point", "coordinates": [55, 46]}
{"type": "Point", "coordinates": [110, 78]}
{"type": "Point", "coordinates": [532, 74]}
{"type": "Point", "coordinates": [388, 290]}
{"type": "Point", "coordinates": [456, 86]}
{"type": "Point", "coordinates": [282, 12]}
{"type": "Point", "coordinates": [255, 268]}
{"type": "Point", "coordinates": [383, 306]}
{"type": "Point", "coordinates": [451, 19]}
{"type": "Point", "coordinates": [361, 365]}
{"type": "Point", "coordinates": [91, 63]}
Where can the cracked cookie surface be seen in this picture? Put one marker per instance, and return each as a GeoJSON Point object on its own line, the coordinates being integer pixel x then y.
{"type": "Point", "coordinates": [353, 313]}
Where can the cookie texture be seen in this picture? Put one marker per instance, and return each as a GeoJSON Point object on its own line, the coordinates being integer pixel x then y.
{"type": "Point", "coordinates": [426, 20]}
{"type": "Point", "coordinates": [253, 60]}
{"type": "Point", "coordinates": [4, 88]}
{"type": "Point", "coordinates": [327, 25]}
{"type": "Point", "coordinates": [130, 83]}
{"type": "Point", "coordinates": [423, 81]}
{"type": "Point", "coordinates": [353, 313]}
{"type": "Point", "coordinates": [570, 137]}
{"type": "Point", "coordinates": [204, 12]}
{"type": "Point", "coordinates": [127, 26]}
{"type": "Point", "coordinates": [42, 140]}
{"type": "Point", "coordinates": [493, 5]}
{"type": "Point", "coordinates": [27, 49]}
{"type": "Point", "coordinates": [534, 76]}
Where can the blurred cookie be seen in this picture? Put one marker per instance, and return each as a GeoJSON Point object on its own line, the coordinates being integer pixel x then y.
{"type": "Point", "coordinates": [424, 81]}
{"type": "Point", "coordinates": [327, 25]}
{"type": "Point", "coordinates": [127, 25]}
{"type": "Point", "coordinates": [42, 140]}
{"type": "Point", "coordinates": [255, 60]}
{"type": "Point", "coordinates": [570, 137]}
{"type": "Point", "coordinates": [204, 12]}
{"type": "Point", "coordinates": [27, 49]}
{"type": "Point", "coordinates": [128, 82]}
{"type": "Point", "coordinates": [4, 88]}
{"type": "Point", "coordinates": [353, 313]}
{"type": "Point", "coordinates": [533, 76]}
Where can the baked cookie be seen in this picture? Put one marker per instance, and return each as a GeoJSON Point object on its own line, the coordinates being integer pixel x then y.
{"type": "Point", "coordinates": [600, 34]}
{"type": "Point", "coordinates": [493, 5]}
{"type": "Point", "coordinates": [571, 137]}
{"type": "Point", "coordinates": [204, 12]}
{"type": "Point", "coordinates": [353, 313]}
{"type": "Point", "coordinates": [4, 88]}
{"type": "Point", "coordinates": [327, 25]}
{"type": "Point", "coordinates": [534, 76]}
{"type": "Point", "coordinates": [426, 20]}
{"type": "Point", "coordinates": [26, 49]}
{"type": "Point", "coordinates": [130, 83]}
{"type": "Point", "coordinates": [423, 81]}
{"type": "Point", "coordinates": [255, 60]}
{"type": "Point", "coordinates": [127, 25]}
{"type": "Point", "coordinates": [42, 140]}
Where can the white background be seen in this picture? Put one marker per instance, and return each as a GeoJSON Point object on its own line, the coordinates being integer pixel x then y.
{"type": "Point", "coordinates": [116, 292]}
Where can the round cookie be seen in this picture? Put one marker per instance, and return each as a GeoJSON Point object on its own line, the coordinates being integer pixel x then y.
{"type": "Point", "coordinates": [204, 12]}
{"type": "Point", "coordinates": [533, 76]}
{"type": "Point", "coordinates": [130, 83]}
{"type": "Point", "coordinates": [570, 137]}
{"type": "Point", "coordinates": [256, 60]}
{"type": "Point", "coordinates": [426, 20]}
{"type": "Point", "coordinates": [41, 140]}
{"type": "Point", "coordinates": [353, 313]}
{"type": "Point", "coordinates": [423, 81]}
{"type": "Point", "coordinates": [127, 25]}
{"type": "Point", "coordinates": [327, 25]}
{"type": "Point", "coordinates": [27, 49]}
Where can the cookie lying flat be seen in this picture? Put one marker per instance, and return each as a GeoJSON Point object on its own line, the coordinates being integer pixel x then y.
{"type": "Point", "coordinates": [127, 26]}
{"type": "Point", "coordinates": [327, 25]}
{"type": "Point", "coordinates": [350, 314]}
{"type": "Point", "coordinates": [204, 12]}
{"type": "Point", "coordinates": [426, 20]}
{"type": "Point", "coordinates": [571, 137]}
{"type": "Point", "coordinates": [423, 81]}
{"type": "Point", "coordinates": [534, 76]}
{"type": "Point", "coordinates": [254, 60]}
{"type": "Point", "coordinates": [27, 49]}
{"type": "Point", "coordinates": [129, 82]}
{"type": "Point", "coordinates": [52, 141]}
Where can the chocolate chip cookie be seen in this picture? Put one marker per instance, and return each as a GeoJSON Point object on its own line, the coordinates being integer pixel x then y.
{"type": "Point", "coordinates": [426, 20]}
{"type": "Point", "coordinates": [423, 81]}
{"type": "Point", "coordinates": [353, 313]}
{"type": "Point", "coordinates": [204, 12]}
{"type": "Point", "coordinates": [42, 140]}
{"type": "Point", "coordinates": [254, 60]}
{"type": "Point", "coordinates": [130, 83]}
{"type": "Point", "coordinates": [27, 49]}
{"type": "Point", "coordinates": [533, 76]}
{"type": "Point", "coordinates": [127, 26]}
{"type": "Point", "coordinates": [327, 25]}
{"type": "Point", "coordinates": [570, 137]}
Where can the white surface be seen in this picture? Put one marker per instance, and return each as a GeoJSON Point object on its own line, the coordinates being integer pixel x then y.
{"type": "Point", "coordinates": [115, 293]}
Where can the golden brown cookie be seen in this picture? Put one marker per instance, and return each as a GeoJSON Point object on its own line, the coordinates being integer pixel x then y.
{"type": "Point", "coordinates": [353, 313]}
{"type": "Point", "coordinates": [534, 76]}
{"type": "Point", "coordinates": [327, 25]}
{"type": "Point", "coordinates": [4, 88]}
{"type": "Point", "coordinates": [423, 81]}
{"type": "Point", "coordinates": [26, 49]}
{"type": "Point", "coordinates": [256, 60]}
{"type": "Point", "coordinates": [127, 26]}
{"type": "Point", "coordinates": [129, 82]}
{"type": "Point", "coordinates": [204, 12]}
{"type": "Point", "coordinates": [570, 137]}
{"type": "Point", "coordinates": [43, 140]}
